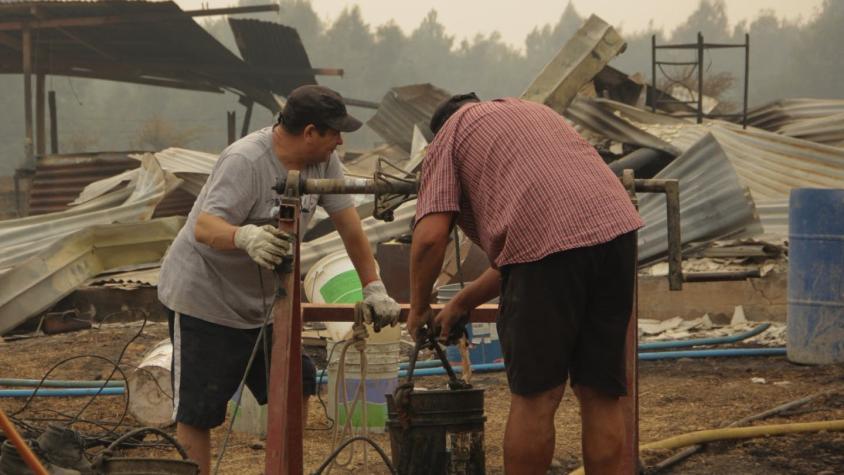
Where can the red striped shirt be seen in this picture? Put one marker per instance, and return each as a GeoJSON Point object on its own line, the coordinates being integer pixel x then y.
{"type": "Point", "coordinates": [524, 183]}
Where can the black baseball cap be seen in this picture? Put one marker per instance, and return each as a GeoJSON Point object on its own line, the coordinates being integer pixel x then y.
{"type": "Point", "coordinates": [318, 105]}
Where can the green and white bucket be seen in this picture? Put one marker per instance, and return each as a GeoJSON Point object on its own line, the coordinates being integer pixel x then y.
{"type": "Point", "coordinates": [333, 279]}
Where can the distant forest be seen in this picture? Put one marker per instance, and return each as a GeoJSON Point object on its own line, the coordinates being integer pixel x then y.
{"type": "Point", "coordinates": [787, 59]}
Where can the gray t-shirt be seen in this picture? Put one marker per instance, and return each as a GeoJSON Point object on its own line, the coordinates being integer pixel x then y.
{"type": "Point", "coordinates": [224, 287]}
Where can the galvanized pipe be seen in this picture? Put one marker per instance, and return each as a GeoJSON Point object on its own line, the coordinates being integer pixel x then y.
{"type": "Point", "coordinates": [671, 189]}
{"type": "Point", "coordinates": [352, 186]}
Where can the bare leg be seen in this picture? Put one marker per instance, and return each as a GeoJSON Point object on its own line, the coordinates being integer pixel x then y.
{"type": "Point", "coordinates": [529, 436]}
{"type": "Point", "coordinates": [198, 444]}
{"type": "Point", "coordinates": [603, 438]}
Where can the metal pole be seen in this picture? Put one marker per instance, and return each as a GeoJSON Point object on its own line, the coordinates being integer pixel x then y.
{"type": "Point", "coordinates": [699, 77]}
{"type": "Point", "coordinates": [40, 127]}
{"type": "Point", "coordinates": [746, 77]}
{"type": "Point", "coordinates": [54, 123]}
{"type": "Point", "coordinates": [284, 453]}
{"type": "Point", "coordinates": [246, 118]}
{"type": "Point", "coordinates": [27, 97]}
{"type": "Point", "coordinates": [653, 73]}
{"type": "Point", "coordinates": [675, 255]}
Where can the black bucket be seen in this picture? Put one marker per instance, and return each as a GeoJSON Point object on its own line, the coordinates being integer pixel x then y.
{"type": "Point", "coordinates": [438, 432]}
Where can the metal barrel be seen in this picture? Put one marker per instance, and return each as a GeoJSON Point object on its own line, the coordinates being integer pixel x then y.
{"type": "Point", "coordinates": [816, 276]}
{"type": "Point", "coordinates": [438, 432]}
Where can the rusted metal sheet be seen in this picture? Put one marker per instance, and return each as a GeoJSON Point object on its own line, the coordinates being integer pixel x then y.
{"type": "Point", "coordinates": [59, 179]}
{"type": "Point", "coordinates": [817, 120]}
{"type": "Point", "coordinates": [580, 59]}
{"type": "Point", "coordinates": [404, 107]}
{"type": "Point", "coordinates": [24, 237]}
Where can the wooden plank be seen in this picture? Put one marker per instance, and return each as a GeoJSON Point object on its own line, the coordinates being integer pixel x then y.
{"type": "Point", "coordinates": [311, 312]}
{"type": "Point", "coordinates": [27, 97]}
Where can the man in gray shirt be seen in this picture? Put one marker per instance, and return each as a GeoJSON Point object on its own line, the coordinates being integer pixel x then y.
{"type": "Point", "coordinates": [217, 278]}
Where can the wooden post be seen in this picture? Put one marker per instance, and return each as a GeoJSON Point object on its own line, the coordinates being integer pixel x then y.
{"type": "Point", "coordinates": [284, 452]}
{"type": "Point", "coordinates": [631, 401]}
{"type": "Point", "coordinates": [246, 118]}
{"type": "Point", "coordinates": [27, 97]}
{"type": "Point", "coordinates": [230, 116]}
{"type": "Point", "coordinates": [54, 123]}
{"type": "Point", "coordinates": [40, 119]}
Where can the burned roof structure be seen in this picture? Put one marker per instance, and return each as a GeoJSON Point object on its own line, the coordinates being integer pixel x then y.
{"type": "Point", "coordinates": [153, 43]}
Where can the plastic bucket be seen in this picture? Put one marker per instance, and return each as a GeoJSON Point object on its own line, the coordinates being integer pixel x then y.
{"type": "Point", "coordinates": [333, 279]}
{"type": "Point", "coordinates": [483, 337]}
{"type": "Point", "coordinates": [815, 332]}
{"type": "Point", "coordinates": [381, 379]}
{"type": "Point", "coordinates": [150, 389]}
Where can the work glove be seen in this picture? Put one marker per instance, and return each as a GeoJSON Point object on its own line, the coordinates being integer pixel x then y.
{"type": "Point", "coordinates": [385, 311]}
{"type": "Point", "coordinates": [267, 245]}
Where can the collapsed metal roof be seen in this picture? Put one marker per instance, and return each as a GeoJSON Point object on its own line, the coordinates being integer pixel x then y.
{"type": "Point", "coordinates": [153, 43]}
{"type": "Point", "coordinates": [404, 107]}
{"type": "Point", "coordinates": [817, 120]}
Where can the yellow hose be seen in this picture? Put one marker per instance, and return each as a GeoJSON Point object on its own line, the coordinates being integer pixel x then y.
{"type": "Point", "coordinates": [712, 435]}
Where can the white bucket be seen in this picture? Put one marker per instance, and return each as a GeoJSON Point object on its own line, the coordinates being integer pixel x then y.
{"type": "Point", "coordinates": [150, 389]}
{"type": "Point", "coordinates": [382, 373]}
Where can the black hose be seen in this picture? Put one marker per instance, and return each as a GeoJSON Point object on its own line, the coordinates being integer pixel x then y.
{"type": "Point", "coordinates": [348, 441]}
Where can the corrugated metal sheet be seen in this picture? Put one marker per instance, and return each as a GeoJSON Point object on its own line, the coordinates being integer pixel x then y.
{"type": "Point", "coordinates": [714, 204]}
{"type": "Point", "coordinates": [176, 52]}
{"type": "Point", "coordinates": [59, 179]}
{"type": "Point", "coordinates": [192, 166]}
{"type": "Point", "coordinates": [273, 47]}
{"type": "Point", "coordinates": [774, 217]}
{"type": "Point", "coordinates": [778, 114]}
{"type": "Point", "coordinates": [38, 283]}
{"type": "Point", "coordinates": [24, 237]}
{"type": "Point", "coordinates": [402, 108]}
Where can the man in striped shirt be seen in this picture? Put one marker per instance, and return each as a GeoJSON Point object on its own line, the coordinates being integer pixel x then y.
{"type": "Point", "coordinates": [559, 231]}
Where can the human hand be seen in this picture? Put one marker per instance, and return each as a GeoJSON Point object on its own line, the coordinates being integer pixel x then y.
{"type": "Point", "coordinates": [448, 318]}
{"type": "Point", "coordinates": [266, 245]}
{"type": "Point", "coordinates": [385, 309]}
{"type": "Point", "coordinates": [416, 319]}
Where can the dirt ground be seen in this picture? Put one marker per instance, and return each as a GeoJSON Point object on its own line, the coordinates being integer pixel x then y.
{"type": "Point", "coordinates": [675, 397]}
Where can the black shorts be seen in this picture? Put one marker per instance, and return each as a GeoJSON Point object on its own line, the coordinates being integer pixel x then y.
{"type": "Point", "coordinates": [567, 314]}
{"type": "Point", "coordinates": [208, 364]}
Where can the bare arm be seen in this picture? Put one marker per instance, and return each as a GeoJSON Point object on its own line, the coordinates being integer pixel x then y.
{"type": "Point", "coordinates": [348, 225]}
{"type": "Point", "coordinates": [427, 251]}
{"type": "Point", "coordinates": [481, 290]}
{"type": "Point", "coordinates": [215, 232]}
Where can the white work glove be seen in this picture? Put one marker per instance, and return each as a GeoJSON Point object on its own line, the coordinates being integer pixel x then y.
{"type": "Point", "coordinates": [267, 245]}
{"type": "Point", "coordinates": [385, 309]}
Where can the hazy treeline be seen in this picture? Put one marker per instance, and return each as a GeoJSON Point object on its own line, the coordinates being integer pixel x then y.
{"type": "Point", "coordinates": [788, 59]}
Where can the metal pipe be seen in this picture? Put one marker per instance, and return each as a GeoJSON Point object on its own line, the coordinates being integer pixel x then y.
{"type": "Point", "coordinates": [671, 188]}
{"type": "Point", "coordinates": [645, 162]}
{"type": "Point", "coordinates": [353, 186]}
{"type": "Point", "coordinates": [721, 276]}
{"type": "Point", "coordinates": [653, 73]}
{"type": "Point", "coordinates": [54, 127]}
{"type": "Point", "coordinates": [40, 132]}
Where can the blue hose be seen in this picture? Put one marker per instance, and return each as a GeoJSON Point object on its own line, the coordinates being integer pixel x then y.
{"type": "Point", "coordinates": [72, 392]}
{"type": "Point", "coordinates": [59, 383]}
{"type": "Point", "coordinates": [662, 345]}
{"type": "Point", "coordinates": [667, 355]}
{"type": "Point", "coordinates": [646, 356]}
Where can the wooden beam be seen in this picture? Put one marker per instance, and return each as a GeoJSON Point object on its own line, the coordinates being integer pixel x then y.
{"type": "Point", "coordinates": [27, 96]}
{"type": "Point", "coordinates": [130, 18]}
{"type": "Point", "coordinates": [312, 312]}
{"type": "Point", "coordinates": [40, 125]}
{"type": "Point", "coordinates": [54, 124]}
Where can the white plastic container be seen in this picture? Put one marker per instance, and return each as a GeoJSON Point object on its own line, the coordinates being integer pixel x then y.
{"type": "Point", "coordinates": [150, 390]}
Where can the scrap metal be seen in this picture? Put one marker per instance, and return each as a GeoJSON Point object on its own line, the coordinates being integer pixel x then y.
{"type": "Point", "coordinates": [580, 59]}
{"type": "Point", "coordinates": [404, 107]}
{"type": "Point", "coordinates": [45, 278]}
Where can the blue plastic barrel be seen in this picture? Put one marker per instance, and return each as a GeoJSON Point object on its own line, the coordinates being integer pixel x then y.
{"type": "Point", "coordinates": [485, 347]}
{"type": "Point", "coordinates": [816, 276]}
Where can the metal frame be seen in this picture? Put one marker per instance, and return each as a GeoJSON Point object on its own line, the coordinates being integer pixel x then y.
{"type": "Point", "coordinates": [284, 453]}
{"type": "Point", "coordinates": [700, 46]}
